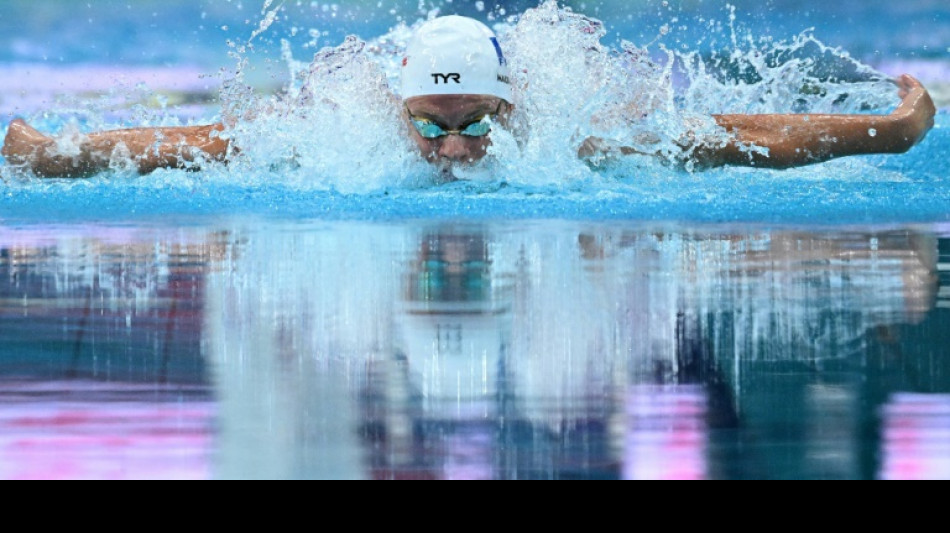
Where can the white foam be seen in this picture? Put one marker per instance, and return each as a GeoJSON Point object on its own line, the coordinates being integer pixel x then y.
{"type": "Point", "coordinates": [338, 124]}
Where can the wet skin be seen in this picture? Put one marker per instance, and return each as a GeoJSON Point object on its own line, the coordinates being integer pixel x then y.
{"type": "Point", "coordinates": [454, 112]}
{"type": "Point", "coordinates": [791, 140]}
{"type": "Point", "coordinates": [799, 140]}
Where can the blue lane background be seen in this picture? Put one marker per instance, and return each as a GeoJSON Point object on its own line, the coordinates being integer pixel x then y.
{"type": "Point", "coordinates": [162, 32]}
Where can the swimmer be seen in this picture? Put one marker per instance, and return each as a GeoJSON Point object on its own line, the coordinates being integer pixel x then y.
{"type": "Point", "coordinates": [455, 85]}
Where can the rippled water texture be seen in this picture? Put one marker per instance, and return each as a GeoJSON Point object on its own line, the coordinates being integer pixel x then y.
{"type": "Point", "coordinates": [436, 350]}
{"type": "Point", "coordinates": [324, 308]}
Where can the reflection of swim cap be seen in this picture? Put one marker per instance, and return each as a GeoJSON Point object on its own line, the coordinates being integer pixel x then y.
{"type": "Point", "coordinates": [455, 55]}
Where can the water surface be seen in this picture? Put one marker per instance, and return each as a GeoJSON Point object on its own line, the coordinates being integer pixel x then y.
{"type": "Point", "coordinates": [332, 316]}
{"type": "Point", "coordinates": [473, 350]}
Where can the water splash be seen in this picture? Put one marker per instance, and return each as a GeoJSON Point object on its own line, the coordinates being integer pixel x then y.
{"type": "Point", "coordinates": [337, 128]}
{"type": "Point", "coordinates": [339, 119]}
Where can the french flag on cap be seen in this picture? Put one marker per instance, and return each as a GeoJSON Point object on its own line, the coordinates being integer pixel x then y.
{"type": "Point", "coordinates": [501, 55]}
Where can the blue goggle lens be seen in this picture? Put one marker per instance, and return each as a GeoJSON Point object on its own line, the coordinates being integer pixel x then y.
{"type": "Point", "coordinates": [428, 129]}
{"type": "Point", "coordinates": [478, 129]}
{"type": "Point", "coordinates": [431, 130]}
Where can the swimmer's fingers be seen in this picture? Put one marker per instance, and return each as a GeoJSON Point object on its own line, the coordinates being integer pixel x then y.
{"type": "Point", "coordinates": [22, 142]}
{"type": "Point", "coordinates": [907, 84]}
{"type": "Point", "coordinates": [916, 113]}
{"type": "Point", "coordinates": [914, 98]}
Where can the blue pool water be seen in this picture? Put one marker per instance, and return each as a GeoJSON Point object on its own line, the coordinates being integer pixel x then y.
{"type": "Point", "coordinates": [435, 350]}
{"type": "Point", "coordinates": [867, 190]}
{"type": "Point", "coordinates": [344, 316]}
{"type": "Point", "coordinates": [96, 82]}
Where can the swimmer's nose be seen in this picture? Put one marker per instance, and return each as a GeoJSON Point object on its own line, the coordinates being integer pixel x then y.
{"type": "Point", "coordinates": [453, 148]}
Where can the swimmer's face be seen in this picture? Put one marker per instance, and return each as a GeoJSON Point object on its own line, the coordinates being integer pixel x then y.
{"type": "Point", "coordinates": [454, 112]}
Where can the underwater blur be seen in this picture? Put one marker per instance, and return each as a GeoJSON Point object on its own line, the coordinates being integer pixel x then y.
{"type": "Point", "coordinates": [257, 348]}
{"type": "Point", "coordinates": [325, 305]}
{"type": "Point", "coordinates": [312, 110]}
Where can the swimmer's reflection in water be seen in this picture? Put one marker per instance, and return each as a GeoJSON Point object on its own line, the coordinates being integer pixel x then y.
{"type": "Point", "coordinates": [452, 328]}
{"type": "Point", "coordinates": [456, 87]}
{"type": "Point", "coordinates": [487, 354]}
{"type": "Point", "coordinates": [463, 387]}
{"type": "Point", "coordinates": [635, 388]}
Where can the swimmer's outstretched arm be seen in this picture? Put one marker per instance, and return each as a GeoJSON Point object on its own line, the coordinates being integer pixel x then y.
{"type": "Point", "coordinates": [148, 148]}
{"type": "Point", "coordinates": [798, 140]}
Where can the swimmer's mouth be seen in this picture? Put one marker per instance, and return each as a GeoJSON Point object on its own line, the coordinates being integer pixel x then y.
{"type": "Point", "coordinates": [447, 173]}
{"type": "Point", "coordinates": [447, 169]}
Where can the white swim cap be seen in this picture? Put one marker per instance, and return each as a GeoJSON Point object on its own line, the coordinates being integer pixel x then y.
{"type": "Point", "coordinates": [455, 55]}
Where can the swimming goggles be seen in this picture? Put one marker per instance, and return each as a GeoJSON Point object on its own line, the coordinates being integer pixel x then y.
{"type": "Point", "coordinates": [428, 129]}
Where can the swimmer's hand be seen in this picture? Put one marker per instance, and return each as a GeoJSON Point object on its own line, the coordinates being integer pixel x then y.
{"type": "Point", "coordinates": [147, 149]}
{"type": "Point", "coordinates": [25, 147]}
{"type": "Point", "coordinates": [786, 141]}
{"type": "Point", "coordinates": [916, 113]}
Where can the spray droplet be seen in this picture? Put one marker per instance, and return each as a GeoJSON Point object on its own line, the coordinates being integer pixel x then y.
{"type": "Point", "coordinates": [872, 132]}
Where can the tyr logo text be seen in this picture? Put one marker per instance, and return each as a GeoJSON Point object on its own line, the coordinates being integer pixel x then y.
{"type": "Point", "coordinates": [457, 78]}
